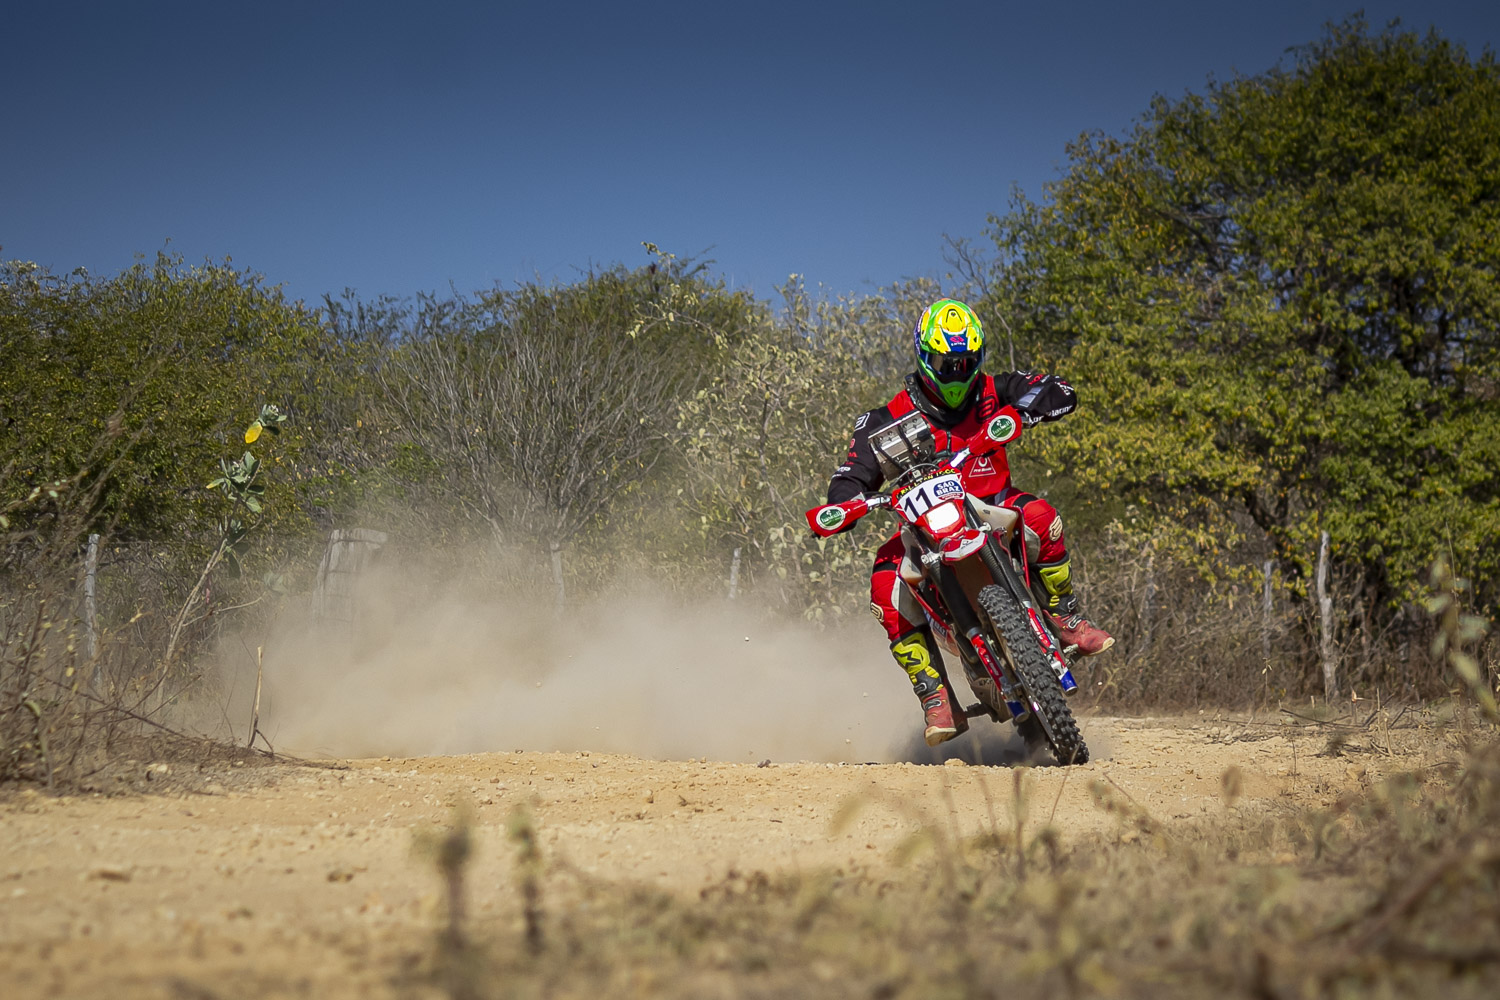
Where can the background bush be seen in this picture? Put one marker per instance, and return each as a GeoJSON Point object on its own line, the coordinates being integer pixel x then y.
{"type": "Point", "coordinates": [1277, 299]}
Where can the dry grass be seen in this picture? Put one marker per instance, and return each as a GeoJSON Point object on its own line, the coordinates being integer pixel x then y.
{"type": "Point", "coordinates": [1394, 890]}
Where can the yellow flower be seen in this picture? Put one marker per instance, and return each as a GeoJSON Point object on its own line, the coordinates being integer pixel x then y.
{"type": "Point", "coordinates": [252, 432]}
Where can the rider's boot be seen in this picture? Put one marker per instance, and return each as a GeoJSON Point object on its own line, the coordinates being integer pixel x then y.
{"type": "Point", "coordinates": [916, 653]}
{"type": "Point", "coordinates": [1072, 627]}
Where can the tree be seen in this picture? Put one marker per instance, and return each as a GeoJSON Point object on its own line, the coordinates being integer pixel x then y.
{"type": "Point", "coordinates": [763, 436]}
{"type": "Point", "coordinates": [127, 381]}
{"type": "Point", "coordinates": [1280, 301]}
{"type": "Point", "coordinates": [537, 410]}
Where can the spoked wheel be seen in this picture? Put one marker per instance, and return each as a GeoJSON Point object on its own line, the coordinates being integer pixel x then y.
{"type": "Point", "coordinates": [1044, 695]}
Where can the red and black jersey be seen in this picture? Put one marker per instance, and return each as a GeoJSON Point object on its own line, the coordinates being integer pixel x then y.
{"type": "Point", "coordinates": [1046, 397]}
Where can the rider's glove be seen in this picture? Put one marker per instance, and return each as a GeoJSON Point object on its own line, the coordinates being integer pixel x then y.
{"type": "Point", "coordinates": [1047, 397]}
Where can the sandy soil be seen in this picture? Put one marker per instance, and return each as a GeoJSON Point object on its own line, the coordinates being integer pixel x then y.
{"type": "Point", "coordinates": [284, 881]}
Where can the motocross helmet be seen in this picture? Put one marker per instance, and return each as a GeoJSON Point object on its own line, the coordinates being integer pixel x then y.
{"type": "Point", "coordinates": [950, 347]}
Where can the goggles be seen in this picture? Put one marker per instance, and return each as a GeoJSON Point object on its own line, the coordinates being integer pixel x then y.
{"type": "Point", "coordinates": [952, 367]}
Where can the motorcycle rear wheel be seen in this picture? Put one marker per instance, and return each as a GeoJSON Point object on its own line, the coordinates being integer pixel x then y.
{"type": "Point", "coordinates": [1010, 621]}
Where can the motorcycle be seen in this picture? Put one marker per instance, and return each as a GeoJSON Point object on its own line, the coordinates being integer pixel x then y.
{"type": "Point", "coordinates": [966, 565]}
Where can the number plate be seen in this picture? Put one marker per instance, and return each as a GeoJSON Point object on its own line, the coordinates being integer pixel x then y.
{"type": "Point", "coordinates": [924, 496]}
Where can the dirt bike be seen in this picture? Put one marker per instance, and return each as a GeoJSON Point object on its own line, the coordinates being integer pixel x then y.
{"type": "Point", "coordinates": [966, 565]}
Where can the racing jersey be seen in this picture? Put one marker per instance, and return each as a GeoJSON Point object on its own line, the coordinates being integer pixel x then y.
{"type": "Point", "coordinates": [1045, 397]}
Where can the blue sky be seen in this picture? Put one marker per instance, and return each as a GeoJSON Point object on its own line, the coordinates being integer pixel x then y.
{"type": "Point", "coordinates": [400, 147]}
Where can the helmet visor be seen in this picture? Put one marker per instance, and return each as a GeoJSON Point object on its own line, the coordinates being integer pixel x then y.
{"type": "Point", "coordinates": [952, 367]}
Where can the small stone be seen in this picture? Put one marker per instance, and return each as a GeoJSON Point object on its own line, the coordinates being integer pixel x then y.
{"type": "Point", "coordinates": [111, 873]}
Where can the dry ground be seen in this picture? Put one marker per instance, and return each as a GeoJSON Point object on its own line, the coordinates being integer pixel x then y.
{"type": "Point", "coordinates": [303, 881]}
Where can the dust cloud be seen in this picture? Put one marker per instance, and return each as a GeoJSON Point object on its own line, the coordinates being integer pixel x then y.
{"type": "Point", "coordinates": [632, 674]}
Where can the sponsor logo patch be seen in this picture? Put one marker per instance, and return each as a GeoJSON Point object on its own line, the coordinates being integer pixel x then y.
{"type": "Point", "coordinates": [982, 467]}
{"type": "Point", "coordinates": [1055, 531]}
{"type": "Point", "coordinates": [875, 610]}
{"type": "Point", "coordinates": [1001, 428]}
{"type": "Point", "coordinates": [945, 488]}
{"type": "Point", "coordinates": [831, 517]}
{"type": "Point", "coordinates": [864, 418]}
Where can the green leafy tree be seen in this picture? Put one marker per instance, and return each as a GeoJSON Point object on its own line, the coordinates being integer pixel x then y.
{"type": "Point", "coordinates": [128, 379]}
{"type": "Point", "coordinates": [1279, 298]}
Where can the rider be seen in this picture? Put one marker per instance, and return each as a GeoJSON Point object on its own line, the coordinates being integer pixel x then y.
{"type": "Point", "coordinates": [957, 399]}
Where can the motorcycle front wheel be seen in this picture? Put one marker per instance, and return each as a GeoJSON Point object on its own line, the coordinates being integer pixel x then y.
{"type": "Point", "coordinates": [1043, 690]}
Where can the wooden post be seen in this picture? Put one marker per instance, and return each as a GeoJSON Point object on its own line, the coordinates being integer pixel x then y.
{"type": "Point", "coordinates": [91, 640]}
{"type": "Point", "coordinates": [1146, 605]}
{"type": "Point", "coordinates": [255, 712]}
{"type": "Point", "coordinates": [1325, 617]}
{"type": "Point", "coordinates": [734, 575]}
{"type": "Point", "coordinates": [561, 595]}
{"type": "Point", "coordinates": [1265, 613]}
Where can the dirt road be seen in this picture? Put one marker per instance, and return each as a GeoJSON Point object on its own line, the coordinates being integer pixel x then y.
{"type": "Point", "coordinates": [304, 881]}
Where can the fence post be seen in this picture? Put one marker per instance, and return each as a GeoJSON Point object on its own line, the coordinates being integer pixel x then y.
{"type": "Point", "coordinates": [1147, 606]}
{"type": "Point", "coordinates": [1325, 616]}
{"type": "Point", "coordinates": [560, 597]}
{"type": "Point", "coordinates": [91, 640]}
{"type": "Point", "coordinates": [255, 712]}
{"type": "Point", "coordinates": [734, 575]}
{"type": "Point", "coordinates": [1265, 616]}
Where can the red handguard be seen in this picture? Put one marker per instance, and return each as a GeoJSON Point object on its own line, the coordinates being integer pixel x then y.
{"type": "Point", "coordinates": [831, 518]}
{"type": "Point", "coordinates": [1001, 429]}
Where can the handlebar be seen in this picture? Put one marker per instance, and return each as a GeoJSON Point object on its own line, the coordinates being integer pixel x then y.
{"type": "Point", "coordinates": [1001, 429]}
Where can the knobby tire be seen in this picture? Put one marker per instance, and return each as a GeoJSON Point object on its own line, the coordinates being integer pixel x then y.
{"type": "Point", "coordinates": [1035, 673]}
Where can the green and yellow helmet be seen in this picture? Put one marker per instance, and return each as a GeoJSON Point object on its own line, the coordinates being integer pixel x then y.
{"type": "Point", "coordinates": [950, 348]}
